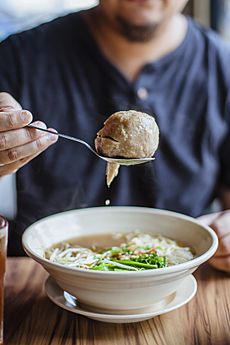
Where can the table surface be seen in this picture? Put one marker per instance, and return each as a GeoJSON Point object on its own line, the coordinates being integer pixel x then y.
{"type": "Point", "coordinates": [32, 319]}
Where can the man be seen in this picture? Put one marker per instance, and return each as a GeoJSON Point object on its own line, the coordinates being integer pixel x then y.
{"type": "Point", "coordinates": [74, 72]}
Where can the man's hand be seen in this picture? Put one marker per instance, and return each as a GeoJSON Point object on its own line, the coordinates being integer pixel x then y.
{"type": "Point", "coordinates": [220, 223]}
{"type": "Point", "coordinates": [18, 144]}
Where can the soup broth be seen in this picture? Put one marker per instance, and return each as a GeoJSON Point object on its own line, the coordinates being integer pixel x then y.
{"type": "Point", "coordinates": [119, 252]}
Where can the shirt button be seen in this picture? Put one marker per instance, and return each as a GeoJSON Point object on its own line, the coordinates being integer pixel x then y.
{"type": "Point", "coordinates": [142, 93]}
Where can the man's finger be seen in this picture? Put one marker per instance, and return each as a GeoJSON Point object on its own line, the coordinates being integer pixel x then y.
{"type": "Point", "coordinates": [8, 169]}
{"type": "Point", "coordinates": [14, 119]}
{"type": "Point", "coordinates": [224, 246]}
{"type": "Point", "coordinates": [20, 152]}
{"type": "Point", "coordinates": [221, 263]}
{"type": "Point", "coordinates": [221, 224]}
{"type": "Point", "coordinates": [207, 219]}
{"type": "Point", "coordinates": [15, 166]}
{"type": "Point", "coordinates": [18, 137]}
{"type": "Point", "coordinates": [7, 102]}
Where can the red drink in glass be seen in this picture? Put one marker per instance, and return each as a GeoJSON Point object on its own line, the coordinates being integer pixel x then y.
{"type": "Point", "coordinates": [3, 246]}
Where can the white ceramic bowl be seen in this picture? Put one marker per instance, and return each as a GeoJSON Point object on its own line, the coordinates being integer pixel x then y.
{"type": "Point", "coordinates": [119, 292]}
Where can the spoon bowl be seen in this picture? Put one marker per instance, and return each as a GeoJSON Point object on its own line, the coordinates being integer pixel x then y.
{"type": "Point", "coordinates": [120, 161]}
{"type": "Point", "coordinates": [127, 161]}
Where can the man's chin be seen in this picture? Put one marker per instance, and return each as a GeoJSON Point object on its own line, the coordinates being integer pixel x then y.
{"type": "Point", "coordinates": [136, 32]}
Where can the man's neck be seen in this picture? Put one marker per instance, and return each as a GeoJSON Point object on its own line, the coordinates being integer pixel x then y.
{"type": "Point", "coordinates": [130, 57]}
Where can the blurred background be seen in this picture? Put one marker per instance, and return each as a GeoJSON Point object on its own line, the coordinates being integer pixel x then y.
{"type": "Point", "coordinates": [18, 15]}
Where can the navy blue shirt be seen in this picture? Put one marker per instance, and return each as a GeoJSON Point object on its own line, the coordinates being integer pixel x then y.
{"type": "Point", "coordinates": [58, 72]}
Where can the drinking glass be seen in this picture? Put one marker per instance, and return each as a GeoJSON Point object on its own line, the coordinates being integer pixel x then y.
{"type": "Point", "coordinates": [3, 246]}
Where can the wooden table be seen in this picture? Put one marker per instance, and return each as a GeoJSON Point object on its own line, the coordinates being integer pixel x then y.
{"type": "Point", "coordinates": [31, 319]}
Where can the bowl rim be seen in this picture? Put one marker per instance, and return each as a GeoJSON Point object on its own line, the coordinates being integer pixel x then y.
{"type": "Point", "coordinates": [158, 271]}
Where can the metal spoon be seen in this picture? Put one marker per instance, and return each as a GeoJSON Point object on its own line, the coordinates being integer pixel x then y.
{"type": "Point", "coordinates": [121, 161]}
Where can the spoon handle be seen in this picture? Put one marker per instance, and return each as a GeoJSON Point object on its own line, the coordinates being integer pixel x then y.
{"type": "Point", "coordinates": [65, 137]}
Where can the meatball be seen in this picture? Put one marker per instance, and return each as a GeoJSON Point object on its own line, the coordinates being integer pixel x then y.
{"type": "Point", "coordinates": [127, 134]}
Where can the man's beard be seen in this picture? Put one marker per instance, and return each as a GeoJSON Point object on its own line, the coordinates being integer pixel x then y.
{"type": "Point", "coordinates": [136, 33]}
